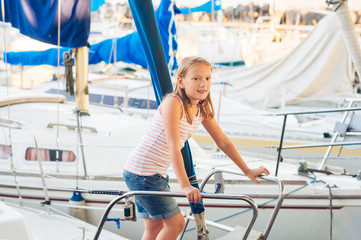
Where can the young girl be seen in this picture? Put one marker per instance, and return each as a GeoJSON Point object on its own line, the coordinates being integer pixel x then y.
{"type": "Point", "coordinates": [177, 118]}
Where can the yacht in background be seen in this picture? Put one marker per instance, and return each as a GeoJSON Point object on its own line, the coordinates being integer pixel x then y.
{"type": "Point", "coordinates": [86, 152]}
{"type": "Point", "coordinates": [20, 222]}
{"type": "Point", "coordinates": [50, 151]}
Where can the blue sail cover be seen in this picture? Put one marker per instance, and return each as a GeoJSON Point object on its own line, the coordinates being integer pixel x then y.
{"type": "Point", "coordinates": [126, 49]}
{"type": "Point", "coordinates": [129, 48]}
{"type": "Point", "coordinates": [145, 22]}
{"type": "Point", "coordinates": [39, 20]}
{"type": "Point", "coordinates": [96, 4]}
{"type": "Point", "coordinates": [207, 7]}
{"type": "Point", "coordinates": [33, 58]}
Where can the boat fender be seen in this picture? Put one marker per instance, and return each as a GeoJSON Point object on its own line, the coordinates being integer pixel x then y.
{"type": "Point", "coordinates": [76, 203]}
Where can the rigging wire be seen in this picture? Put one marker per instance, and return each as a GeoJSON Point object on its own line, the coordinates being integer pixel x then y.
{"type": "Point", "coordinates": [331, 213]}
{"type": "Point", "coordinates": [58, 91]}
{"type": "Point", "coordinates": [77, 154]}
{"type": "Point", "coordinates": [8, 98]}
{"type": "Point", "coordinates": [80, 141]}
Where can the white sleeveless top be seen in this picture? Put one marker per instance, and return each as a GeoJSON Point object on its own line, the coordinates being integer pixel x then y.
{"type": "Point", "coordinates": [151, 156]}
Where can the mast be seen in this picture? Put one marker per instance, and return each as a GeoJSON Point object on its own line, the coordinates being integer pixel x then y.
{"type": "Point", "coordinates": [81, 80]}
{"type": "Point", "coordinates": [343, 13]}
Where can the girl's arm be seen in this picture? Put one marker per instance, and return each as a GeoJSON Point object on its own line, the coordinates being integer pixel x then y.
{"type": "Point", "coordinates": [171, 111]}
{"type": "Point", "coordinates": [226, 145]}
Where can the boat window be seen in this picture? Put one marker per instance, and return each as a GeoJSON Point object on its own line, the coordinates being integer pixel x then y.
{"type": "Point", "coordinates": [112, 100]}
{"type": "Point", "coordinates": [4, 152]}
{"type": "Point", "coordinates": [49, 155]}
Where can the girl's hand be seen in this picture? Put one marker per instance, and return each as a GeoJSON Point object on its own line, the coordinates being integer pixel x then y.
{"type": "Point", "coordinates": [253, 173]}
{"type": "Point", "coordinates": [193, 194]}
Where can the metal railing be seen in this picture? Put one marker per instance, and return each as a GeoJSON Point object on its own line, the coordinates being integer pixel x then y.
{"type": "Point", "coordinates": [330, 145]}
{"type": "Point", "coordinates": [277, 207]}
{"type": "Point", "coordinates": [175, 194]}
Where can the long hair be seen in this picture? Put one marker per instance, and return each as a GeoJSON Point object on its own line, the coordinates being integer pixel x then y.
{"type": "Point", "coordinates": [205, 106]}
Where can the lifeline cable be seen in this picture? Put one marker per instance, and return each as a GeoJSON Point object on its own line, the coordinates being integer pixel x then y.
{"type": "Point", "coordinates": [262, 204]}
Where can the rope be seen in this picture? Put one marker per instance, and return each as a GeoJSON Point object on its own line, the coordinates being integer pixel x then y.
{"type": "Point", "coordinates": [171, 52]}
{"type": "Point", "coordinates": [192, 179]}
{"type": "Point", "coordinates": [68, 62]}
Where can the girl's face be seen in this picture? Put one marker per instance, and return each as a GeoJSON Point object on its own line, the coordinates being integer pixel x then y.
{"type": "Point", "coordinates": [197, 82]}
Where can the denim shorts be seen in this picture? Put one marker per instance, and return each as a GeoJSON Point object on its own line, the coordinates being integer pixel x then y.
{"type": "Point", "coordinates": [148, 206]}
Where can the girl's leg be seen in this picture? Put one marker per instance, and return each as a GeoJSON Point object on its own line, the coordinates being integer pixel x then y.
{"type": "Point", "coordinates": [152, 228]}
{"type": "Point", "coordinates": [172, 227]}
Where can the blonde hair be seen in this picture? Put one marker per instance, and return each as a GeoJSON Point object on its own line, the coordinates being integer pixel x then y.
{"type": "Point", "coordinates": [205, 106]}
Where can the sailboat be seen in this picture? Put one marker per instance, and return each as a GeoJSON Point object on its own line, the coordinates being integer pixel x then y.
{"type": "Point", "coordinates": [20, 222]}
{"type": "Point", "coordinates": [85, 153]}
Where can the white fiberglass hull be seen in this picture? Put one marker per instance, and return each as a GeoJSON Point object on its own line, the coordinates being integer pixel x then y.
{"type": "Point", "coordinates": [109, 135]}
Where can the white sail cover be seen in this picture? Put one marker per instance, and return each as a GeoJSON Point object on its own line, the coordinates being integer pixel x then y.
{"type": "Point", "coordinates": [309, 4]}
{"type": "Point", "coordinates": [318, 67]}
